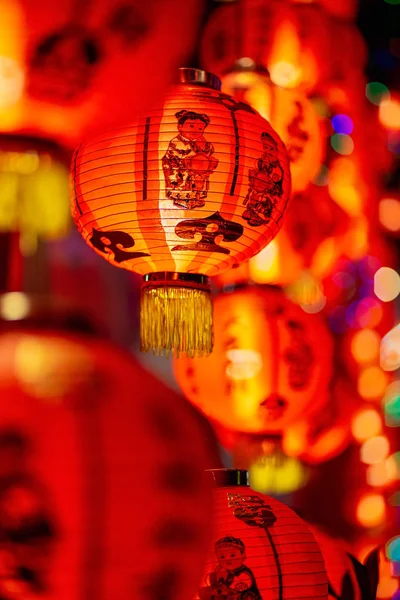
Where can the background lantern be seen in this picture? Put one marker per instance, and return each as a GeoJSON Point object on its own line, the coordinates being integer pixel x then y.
{"type": "Point", "coordinates": [271, 364]}
{"type": "Point", "coordinates": [102, 485]}
{"type": "Point", "coordinates": [194, 188]}
{"type": "Point", "coordinates": [291, 114]}
{"type": "Point", "coordinates": [62, 65]}
{"type": "Point", "coordinates": [34, 189]}
{"type": "Point", "coordinates": [261, 547]}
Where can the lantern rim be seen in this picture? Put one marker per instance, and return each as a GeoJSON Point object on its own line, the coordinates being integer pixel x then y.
{"type": "Point", "coordinates": [199, 77]}
{"type": "Point", "coordinates": [173, 278]}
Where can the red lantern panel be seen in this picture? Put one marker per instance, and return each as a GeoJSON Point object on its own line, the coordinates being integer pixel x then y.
{"type": "Point", "coordinates": [272, 363]}
{"type": "Point", "coordinates": [102, 488]}
{"type": "Point", "coordinates": [64, 64]}
{"type": "Point", "coordinates": [261, 548]}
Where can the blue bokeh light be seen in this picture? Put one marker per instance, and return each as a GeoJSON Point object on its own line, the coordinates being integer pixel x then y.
{"type": "Point", "coordinates": [342, 124]}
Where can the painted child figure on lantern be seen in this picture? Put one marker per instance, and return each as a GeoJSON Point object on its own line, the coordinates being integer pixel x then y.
{"type": "Point", "coordinates": [189, 161]}
{"type": "Point", "coordinates": [265, 184]}
{"type": "Point", "coordinates": [231, 579]}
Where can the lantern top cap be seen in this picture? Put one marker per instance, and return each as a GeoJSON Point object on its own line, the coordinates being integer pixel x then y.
{"type": "Point", "coordinates": [229, 477]}
{"type": "Point", "coordinates": [199, 77]}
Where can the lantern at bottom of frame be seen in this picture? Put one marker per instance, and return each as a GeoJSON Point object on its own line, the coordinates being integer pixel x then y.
{"type": "Point", "coordinates": [102, 485]}
{"type": "Point", "coordinates": [262, 549]}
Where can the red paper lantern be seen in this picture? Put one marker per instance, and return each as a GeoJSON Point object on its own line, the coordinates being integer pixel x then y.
{"type": "Point", "coordinates": [262, 549]}
{"type": "Point", "coordinates": [102, 484]}
{"type": "Point", "coordinates": [271, 365]}
{"type": "Point", "coordinates": [64, 64]}
{"type": "Point", "coordinates": [198, 186]}
{"type": "Point", "coordinates": [289, 40]}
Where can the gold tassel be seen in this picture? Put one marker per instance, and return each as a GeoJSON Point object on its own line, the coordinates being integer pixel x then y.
{"type": "Point", "coordinates": [176, 319]}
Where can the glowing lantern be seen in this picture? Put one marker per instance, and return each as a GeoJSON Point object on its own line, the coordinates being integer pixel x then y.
{"type": "Point", "coordinates": [271, 364]}
{"type": "Point", "coordinates": [34, 189]}
{"type": "Point", "coordinates": [262, 549]}
{"type": "Point", "coordinates": [198, 186]}
{"type": "Point", "coordinates": [303, 244]}
{"type": "Point", "coordinates": [322, 437]}
{"type": "Point", "coordinates": [103, 492]}
{"type": "Point", "coordinates": [348, 578]}
{"type": "Point", "coordinates": [62, 65]}
{"type": "Point", "coordinates": [291, 114]}
{"type": "Point", "coordinates": [286, 39]}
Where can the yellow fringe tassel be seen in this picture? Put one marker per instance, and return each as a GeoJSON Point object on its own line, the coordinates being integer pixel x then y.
{"type": "Point", "coordinates": [176, 319]}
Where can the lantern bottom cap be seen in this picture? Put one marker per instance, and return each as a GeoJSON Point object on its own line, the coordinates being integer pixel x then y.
{"type": "Point", "coordinates": [176, 316]}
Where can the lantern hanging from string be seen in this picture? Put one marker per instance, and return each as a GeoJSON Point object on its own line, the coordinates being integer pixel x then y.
{"type": "Point", "coordinates": [291, 114]}
{"type": "Point", "coordinates": [194, 188]}
{"type": "Point", "coordinates": [103, 490]}
{"type": "Point", "coordinates": [272, 363]}
{"type": "Point", "coordinates": [261, 549]}
{"type": "Point", "coordinates": [63, 64]}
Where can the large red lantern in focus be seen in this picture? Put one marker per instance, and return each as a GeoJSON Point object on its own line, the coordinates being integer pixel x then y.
{"type": "Point", "coordinates": [102, 485]}
{"type": "Point", "coordinates": [262, 549]}
{"type": "Point", "coordinates": [196, 187]}
{"type": "Point", "coordinates": [69, 70]}
{"type": "Point", "coordinates": [271, 365]}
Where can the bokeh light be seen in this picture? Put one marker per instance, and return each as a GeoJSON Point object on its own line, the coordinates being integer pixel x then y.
{"type": "Point", "coordinates": [365, 345]}
{"type": "Point", "coordinates": [377, 92]}
{"type": "Point", "coordinates": [366, 312]}
{"type": "Point", "coordinates": [375, 450]}
{"type": "Point", "coordinates": [366, 424]}
{"type": "Point", "coordinates": [386, 284]}
{"type": "Point", "coordinates": [342, 124]}
{"type": "Point", "coordinates": [391, 404]}
{"type": "Point", "coordinates": [389, 214]}
{"type": "Point", "coordinates": [12, 81]}
{"type": "Point", "coordinates": [342, 144]}
{"type": "Point", "coordinates": [378, 475]}
{"type": "Point", "coordinates": [393, 465]}
{"type": "Point", "coordinates": [371, 510]}
{"type": "Point", "coordinates": [389, 114]}
{"type": "Point", "coordinates": [372, 383]}
{"type": "Point", "coordinates": [14, 306]}
{"type": "Point", "coordinates": [393, 548]}
{"type": "Point", "coordinates": [390, 350]}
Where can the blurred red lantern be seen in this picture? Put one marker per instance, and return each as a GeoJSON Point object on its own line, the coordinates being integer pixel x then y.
{"type": "Point", "coordinates": [271, 365]}
{"type": "Point", "coordinates": [328, 433]}
{"type": "Point", "coordinates": [291, 114]}
{"type": "Point", "coordinates": [261, 547]}
{"type": "Point", "coordinates": [198, 186]}
{"type": "Point", "coordinates": [102, 484]}
{"type": "Point", "coordinates": [289, 40]}
{"type": "Point", "coordinates": [62, 65]}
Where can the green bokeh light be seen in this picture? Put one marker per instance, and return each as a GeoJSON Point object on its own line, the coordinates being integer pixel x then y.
{"type": "Point", "coordinates": [376, 92]}
{"type": "Point", "coordinates": [342, 144]}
